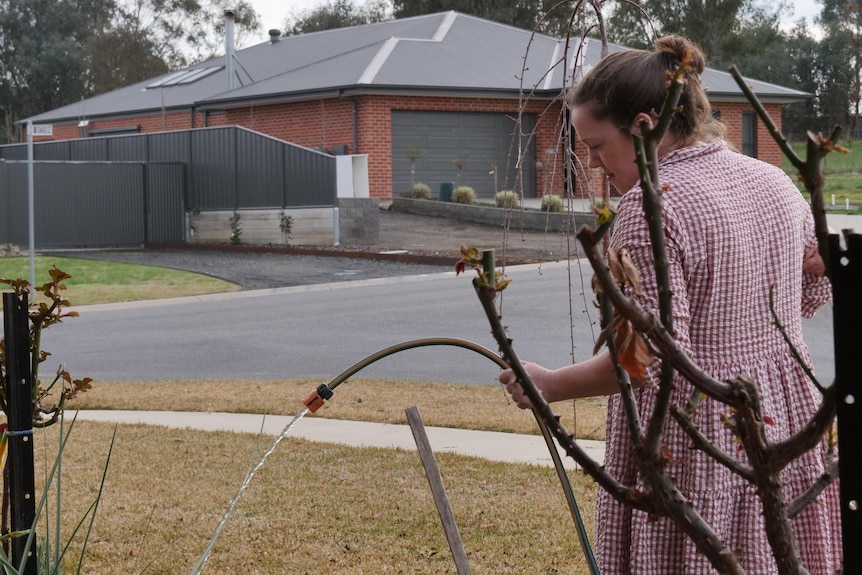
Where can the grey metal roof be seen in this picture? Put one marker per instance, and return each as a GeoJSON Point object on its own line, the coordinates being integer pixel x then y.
{"type": "Point", "coordinates": [444, 52]}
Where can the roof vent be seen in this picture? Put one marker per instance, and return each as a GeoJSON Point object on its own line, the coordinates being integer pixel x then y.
{"type": "Point", "coordinates": [274, 35]}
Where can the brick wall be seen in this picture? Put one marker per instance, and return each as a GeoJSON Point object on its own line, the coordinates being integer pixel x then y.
{"type": "Point", "coordinates": [731, 114]}
{"type": "Point", "coordinates": [148, 124]}
{"type": "Point", "coordinates": [327, 123]}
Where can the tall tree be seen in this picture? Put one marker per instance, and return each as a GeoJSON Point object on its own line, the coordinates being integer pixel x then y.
{"type": "Point", "coordinates": [337, 14]}
{"type": "Point", "coordinates": [55, 53]}
{"type": "Point", "coordinates": [41, 46]}
{"type": "Point", "coordinates": [546, 16]}
{"type": "Point", "coordinates": [108, 55]}
{"type": "Point", "coordinates": [187, 31]}
{"type": "Point", "coordinates": [727, 30]}
{"type": "Point", "coordinates": [842, 22]}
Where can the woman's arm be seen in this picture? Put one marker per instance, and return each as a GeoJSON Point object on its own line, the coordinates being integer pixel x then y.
{"type": "Point", "coordinates": [594, 376]}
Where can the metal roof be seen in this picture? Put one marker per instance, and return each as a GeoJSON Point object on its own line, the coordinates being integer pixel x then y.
{"type": "Point", "coordinates": [447, 52]}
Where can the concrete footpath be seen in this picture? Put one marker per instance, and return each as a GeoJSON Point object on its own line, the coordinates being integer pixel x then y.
{"type": "Point", "coordinates": [494, 446]}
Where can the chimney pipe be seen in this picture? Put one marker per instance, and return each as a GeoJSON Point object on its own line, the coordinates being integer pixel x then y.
{"type": "Point", "coordinates": [274, 35]}
{"type": "Point", "coordinates": [229, 48]}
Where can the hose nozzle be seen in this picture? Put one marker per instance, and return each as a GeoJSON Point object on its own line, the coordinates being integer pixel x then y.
{"type": "Point", "coordinates": [317, 397]}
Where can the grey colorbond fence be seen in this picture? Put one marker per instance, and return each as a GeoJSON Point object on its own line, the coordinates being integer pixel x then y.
{"type": "Point", "coordinates": [92, 203]}
{"type": "Point", "coordinates": [135, 189]}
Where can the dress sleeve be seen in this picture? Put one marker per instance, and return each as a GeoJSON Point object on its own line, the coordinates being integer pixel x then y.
{"type": "Point", "coordinates": [816, 290]}
{"type": "Point", "coordinates": [634, 236]}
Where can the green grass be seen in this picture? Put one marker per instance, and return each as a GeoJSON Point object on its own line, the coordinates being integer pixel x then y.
{"type": "Point", "coordinates": [95, 281]}
{"type": "Point", "coordinates": [843, 174]}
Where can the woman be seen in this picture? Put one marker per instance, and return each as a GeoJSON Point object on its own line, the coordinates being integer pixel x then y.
{"type": "Point", "coordinates": [736, 230]}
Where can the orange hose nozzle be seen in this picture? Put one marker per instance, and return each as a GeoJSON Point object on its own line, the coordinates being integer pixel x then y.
{"type": "Point", "coordinates": [317, 398]}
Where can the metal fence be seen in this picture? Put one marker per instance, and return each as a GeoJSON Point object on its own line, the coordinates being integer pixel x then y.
{"type": "Point", "coordinates": [135, 189]}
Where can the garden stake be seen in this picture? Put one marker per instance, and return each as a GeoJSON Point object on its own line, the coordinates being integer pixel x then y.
{"type": "Point", "coordinates": [432, 473]}
{"type": "Point", "coordinates": [19, 390]}
{"type": "Point", "coordinates": [325, 391]}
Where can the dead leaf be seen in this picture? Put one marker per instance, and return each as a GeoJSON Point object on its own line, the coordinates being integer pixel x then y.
{"type": "Point", "coordinates": [632, 351]}
{"type": "Point", "coordinates": [623, 269]}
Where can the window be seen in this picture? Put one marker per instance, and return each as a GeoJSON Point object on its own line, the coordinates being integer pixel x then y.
{"type": "Point", "coordinates": [749, 134]}
{"type": "Point", "coordinates": [184, 77]}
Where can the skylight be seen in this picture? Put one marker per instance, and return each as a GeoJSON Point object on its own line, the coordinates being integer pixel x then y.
{"type": "Point", "coordinates": [184, 77]}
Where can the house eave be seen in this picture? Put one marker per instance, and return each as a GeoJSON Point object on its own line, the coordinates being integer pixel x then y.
{"type": "Point", "coordinates": [354, 91]}
{"type": "Point", "coordinates": [105, 117]}
{"type": "Point", "coordinates": [762, 98]}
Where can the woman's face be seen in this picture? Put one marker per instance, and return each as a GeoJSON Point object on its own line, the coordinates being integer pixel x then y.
{"type": "Point", "coordinates": [610, 148]}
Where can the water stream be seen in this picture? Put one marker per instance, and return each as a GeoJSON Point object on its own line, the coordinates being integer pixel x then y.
{"type": "Point", "coordinates": [248, 477]}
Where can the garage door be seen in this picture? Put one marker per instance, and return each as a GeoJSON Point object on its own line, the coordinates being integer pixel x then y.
{"type": "Point", "coordinates": [481, 142]}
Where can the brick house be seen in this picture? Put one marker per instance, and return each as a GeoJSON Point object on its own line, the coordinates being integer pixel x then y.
{"type": "Point", "coordinates": [452, 86]}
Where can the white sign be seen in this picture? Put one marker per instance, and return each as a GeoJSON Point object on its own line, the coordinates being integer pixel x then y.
{"type": "Point", "coordinates": [43, 129]}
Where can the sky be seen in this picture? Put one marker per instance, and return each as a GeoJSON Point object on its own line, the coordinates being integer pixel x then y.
{"type": "Point", "coordinates": [273, 12]}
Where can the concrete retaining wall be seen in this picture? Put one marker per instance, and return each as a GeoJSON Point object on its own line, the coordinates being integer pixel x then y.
{"type": "Point", "coordinates": [358, 220]}
{"type": "Point", "coordinates": [490, 215]}
{"type": "Point", "coordinates": [358, 223]}
{"type": "Point", "coordinates": [311, 226]}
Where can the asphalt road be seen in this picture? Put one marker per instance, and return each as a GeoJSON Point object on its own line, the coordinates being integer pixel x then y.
{"type": "Point", "coordinates": [318, 331]}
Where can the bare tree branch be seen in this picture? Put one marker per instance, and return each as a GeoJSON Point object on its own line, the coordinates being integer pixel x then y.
{"type": "Point", "coordinates": [702, 443]}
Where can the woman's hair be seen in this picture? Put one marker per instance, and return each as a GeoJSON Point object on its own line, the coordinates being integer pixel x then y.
{"type": "Point", "coordinates": [627, 83]}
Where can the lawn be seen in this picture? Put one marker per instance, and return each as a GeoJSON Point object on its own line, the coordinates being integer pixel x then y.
{"type": "Point", "coordinates": [843, 175]}
{"type": "Point", "coordinates": [313, 508]}
{"type": "Point", "coordinates": [96, 281]}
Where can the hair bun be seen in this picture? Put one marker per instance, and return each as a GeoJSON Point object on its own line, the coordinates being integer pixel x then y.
{"type": "Point", "coordinates": [678, 47]}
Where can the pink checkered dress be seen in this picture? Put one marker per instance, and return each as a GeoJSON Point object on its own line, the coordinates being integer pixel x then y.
{"type": "Point", "coordinates": [735, 228]}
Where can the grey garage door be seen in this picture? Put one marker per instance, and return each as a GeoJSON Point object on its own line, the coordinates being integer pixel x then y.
{"type": "Point", "coordinates": [479, 141]}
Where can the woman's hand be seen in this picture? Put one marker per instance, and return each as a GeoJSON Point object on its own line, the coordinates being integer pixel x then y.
{"type": "Point", "coordinates": [812, 263]}
{"type": "Point", "coordinates": [541, 376]}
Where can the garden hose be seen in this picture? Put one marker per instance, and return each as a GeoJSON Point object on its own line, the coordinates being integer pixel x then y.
{"type": "Point", "coordinates": [325, 391]}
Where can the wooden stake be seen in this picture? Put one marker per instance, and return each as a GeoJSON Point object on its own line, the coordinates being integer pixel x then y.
{"type": "Point", "coordinates": [439, 492]}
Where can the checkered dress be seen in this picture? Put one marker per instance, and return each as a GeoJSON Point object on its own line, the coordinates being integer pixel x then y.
{"type": "Point", "coordinates": [736, 228]}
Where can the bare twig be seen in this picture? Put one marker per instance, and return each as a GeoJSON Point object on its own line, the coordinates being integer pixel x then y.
{"type": "Point", "coordinates": [804, 500]}
{"type": "Point", "coordinates": [627, 495]}
{"type": "Point", "coordinates": [702, 443]}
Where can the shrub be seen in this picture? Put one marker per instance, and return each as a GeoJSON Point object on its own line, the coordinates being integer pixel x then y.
{"type": "Point", "coordinates": [464, 195]}
{"type": "Point", "coordinates": [552, 203]}
{"type": "Point", "coordinates": [506, 199]}
{"type": "Point", "coordinates": [235, 230]}
{"type": "Point", "coordinates": [420, 191]}
{"type": "Point", "coordinates": [285, 223]}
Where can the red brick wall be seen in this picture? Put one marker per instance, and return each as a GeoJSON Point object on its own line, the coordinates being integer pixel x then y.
{"type": "Point", "coordinates": [149, 124]}
{"type": "Point", "coordinates": [731, 115]}
{"type": "Point", "coordinates": [327, 123]}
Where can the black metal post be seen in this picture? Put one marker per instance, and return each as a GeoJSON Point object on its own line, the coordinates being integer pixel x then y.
{"type": "Point", "coordinates": [19, 401]}
{"type": "Point", "coordinates": [846, 274]}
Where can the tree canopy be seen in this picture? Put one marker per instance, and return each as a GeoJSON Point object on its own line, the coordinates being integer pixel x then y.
{"type": "Point", "coordinates": [55, 53]}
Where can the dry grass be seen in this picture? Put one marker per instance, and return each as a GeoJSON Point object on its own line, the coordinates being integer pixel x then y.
{"type": "Point", "coordinates": [313, 508]}
{"type": "Point", "coordinates": [463, 406]}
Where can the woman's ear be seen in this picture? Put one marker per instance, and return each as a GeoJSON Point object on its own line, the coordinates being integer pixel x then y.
{"type": "Point", "coordinates": [641, 118]}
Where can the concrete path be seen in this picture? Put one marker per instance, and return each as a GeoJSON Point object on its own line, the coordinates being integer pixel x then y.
{"type": "Point", "coordinates": [494, 446]}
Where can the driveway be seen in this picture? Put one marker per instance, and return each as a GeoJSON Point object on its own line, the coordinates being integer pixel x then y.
{"type": "Point", "coordinates": [407, 245]}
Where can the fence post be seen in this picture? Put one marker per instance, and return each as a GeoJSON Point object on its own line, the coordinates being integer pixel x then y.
{"type": "Point", "coordinates": [19, 405]}
{"type": "Point", "coordinates": [846, 275]}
